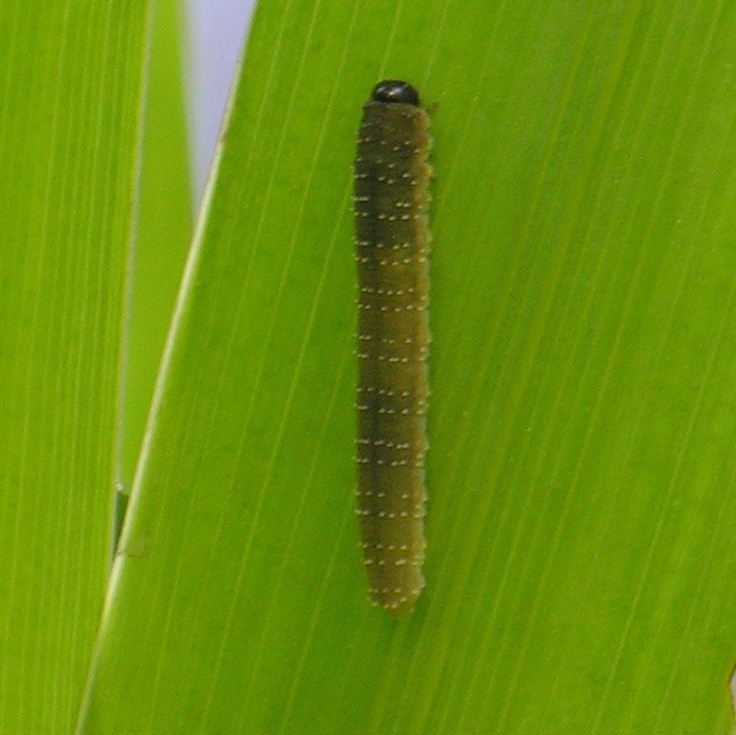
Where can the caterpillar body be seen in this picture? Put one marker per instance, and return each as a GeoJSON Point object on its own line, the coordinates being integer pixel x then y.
{"type": "Point", "coordinates": [392, 243]}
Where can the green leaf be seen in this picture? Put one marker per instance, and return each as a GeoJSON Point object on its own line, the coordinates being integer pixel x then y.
{"type": "Point", "coordinates": [70, 98]}
{"type": "Point", "coordinates": [583, 413]}
{"type": "Point", "coordinates": [162, 234]}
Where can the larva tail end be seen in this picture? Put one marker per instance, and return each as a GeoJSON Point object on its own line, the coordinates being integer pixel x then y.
{"type": "Point", "coordinates": [398, 603]}
{"type": "Point", "coordinates": [402, 609]}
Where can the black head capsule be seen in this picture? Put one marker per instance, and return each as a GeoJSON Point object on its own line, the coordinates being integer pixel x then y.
{"type": "Point", "coordinates": [392, 90]}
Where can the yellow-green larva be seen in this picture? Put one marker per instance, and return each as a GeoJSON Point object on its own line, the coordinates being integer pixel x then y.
{"type": "Point", "coordinates": [392, 243]}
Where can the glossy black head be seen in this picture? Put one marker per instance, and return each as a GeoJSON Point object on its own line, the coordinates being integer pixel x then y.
{"type": "Point", "coordinates": [392, 90]}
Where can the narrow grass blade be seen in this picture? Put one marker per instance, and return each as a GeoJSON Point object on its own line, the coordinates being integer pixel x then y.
{"type": "Point", "coordinates": [70, 98]}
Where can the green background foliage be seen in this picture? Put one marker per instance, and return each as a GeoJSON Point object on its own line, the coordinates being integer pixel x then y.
{"type": "Point", "coordinates": [581, 473]}
{"type": "Point", "coordinates": [70, 101]}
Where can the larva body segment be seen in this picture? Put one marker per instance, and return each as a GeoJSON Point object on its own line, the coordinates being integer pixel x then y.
{"type": "Point", "coordinates": [392, 243]}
